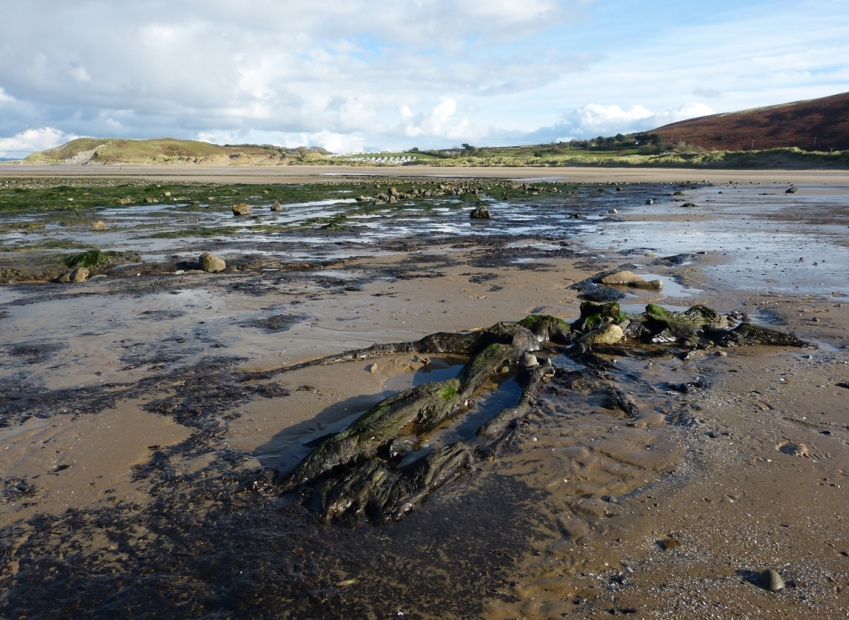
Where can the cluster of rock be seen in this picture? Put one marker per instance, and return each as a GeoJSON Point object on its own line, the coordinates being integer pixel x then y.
{"type": "Point", "coordinates": [538, 189]}
{"type": "Point", "coordinates": [600, 288]}
{"type": "Point", "coordinates": [392, 196]}
{"type": "Point", "coordinates": [697, 327]}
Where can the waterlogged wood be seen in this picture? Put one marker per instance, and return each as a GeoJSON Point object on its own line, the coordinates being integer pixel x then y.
{"type": "Point", "coordinates": [373, 491]}
{"type": "Point", "coordinates": [352, 472]}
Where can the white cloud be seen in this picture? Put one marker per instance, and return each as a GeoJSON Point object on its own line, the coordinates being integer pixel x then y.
{"type": "Point", "coordinates": [32, 140]}
{"type": "Point", "coordinates": [594, 120]}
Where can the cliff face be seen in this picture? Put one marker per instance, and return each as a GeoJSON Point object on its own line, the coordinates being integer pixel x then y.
{"type": "Point", "coordinates": [813, 125]}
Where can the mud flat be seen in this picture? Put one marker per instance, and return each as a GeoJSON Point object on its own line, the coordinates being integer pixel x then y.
{"type": "Point", "coordinates": [151, 418]}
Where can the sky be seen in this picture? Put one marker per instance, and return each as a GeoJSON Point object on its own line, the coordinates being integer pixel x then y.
{"type": "Point", "coordinates": [370, 75]}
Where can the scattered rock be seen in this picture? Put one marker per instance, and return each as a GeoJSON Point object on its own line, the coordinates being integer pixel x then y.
{"type": "Point", "coordinates": [610, 334]}
{"type": "Point", "coordinates": [211, 263]}
{"type": "Point", "coordinates": [628, 278]}
{"type": "Point", "coordinates": [770, 580]}
{"type": "Point", "coordinates": [275, 206]}
{"type": "Point", "coordinates": [100, 225]}
{"type": "Point", "coordinates": [480, 213]}
{"type": "Point", "coordinates": [242, 209]}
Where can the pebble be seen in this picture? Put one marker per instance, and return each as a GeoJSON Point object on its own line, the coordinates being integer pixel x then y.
{"type": "Point", "coordinates": [771, 580]}
{"type": "Point", "coordinates": [372, 368]}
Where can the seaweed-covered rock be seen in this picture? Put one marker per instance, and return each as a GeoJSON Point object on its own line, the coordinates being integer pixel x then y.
{"type": "Point", "coordinates": [593, 314]}
{"type": "Point", "coordinates": [749, 334]}
{"type": "Point", "coordinates": [480, 213]}
{"type": "Point", "coordinates": [546, 327]}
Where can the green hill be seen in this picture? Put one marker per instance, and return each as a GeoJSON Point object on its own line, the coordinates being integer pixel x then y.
{"type": "Point", "coordinates": [167, 151]}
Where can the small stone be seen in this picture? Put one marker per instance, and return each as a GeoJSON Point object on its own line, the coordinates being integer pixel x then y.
{"type": "Point", "coordinates": [126, 201]}
{"type": "Point", "coordinates": [649, 201]}
{"type": "Point", "coordinates": [275, 206]}
{"type": "Point", "coordinates": [613, 211]}
{"type": "Point", "coordinates": [791, 190]}
{"type": "Point", "coordinates": [372, 368]}
{"type": "Point", "coordinates": [721, 354]}
{"type": "Point", "coordinates": [242, 209]}
{"type": "Point", "coordinates": [771, 580]}
{"type": "Point", "coordinates": [610, 334]}
{"type": "Point", "coordinates": [505, 369]}
{"type": "Point", "coordinates": [211, 263]}
{"type": "Point", "coordinates": [100, 225]}
{"type": "Point", "coordinates": [529, 360]}
{"type": "Point", "coordinates": [168, 194]}
{"type": "Point", "coordinates": [670, 543]}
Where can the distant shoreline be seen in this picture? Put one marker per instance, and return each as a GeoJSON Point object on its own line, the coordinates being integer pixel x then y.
{"type": "Point", "coordinates": [316, 173]}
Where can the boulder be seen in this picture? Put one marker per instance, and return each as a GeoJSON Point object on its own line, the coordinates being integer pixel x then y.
{"type": "Point", "coordinates": [99, 225]}
{"type": "Point", "coordinates": [610, 334]}
{"type": "Point", "coordinates": [275, 206]}
{"type": "Point", "coordinates": [628, 278]}
{"type": "Point", "coordinates": [242, 209]}
{"type": "Point", "coordinates": [78, 275]}
{"type": "Point", "coordinates": [211, 263]}
{"type": "Point", "coordinates": [480, 213]}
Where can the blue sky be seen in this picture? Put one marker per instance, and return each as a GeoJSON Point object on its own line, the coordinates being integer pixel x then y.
{"type": "Point", "coordinates": [392, 74]}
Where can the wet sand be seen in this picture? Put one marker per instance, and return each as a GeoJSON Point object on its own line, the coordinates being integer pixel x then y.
{"type": "Point", "coordinates": [130, 428]}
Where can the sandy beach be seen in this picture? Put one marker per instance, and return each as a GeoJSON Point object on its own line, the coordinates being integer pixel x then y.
{"type": "Point", "coordinates": [139, 409]}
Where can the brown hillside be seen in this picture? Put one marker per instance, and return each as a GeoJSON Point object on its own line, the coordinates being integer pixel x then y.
{"type": "Point", "coordinates": [786, 125]}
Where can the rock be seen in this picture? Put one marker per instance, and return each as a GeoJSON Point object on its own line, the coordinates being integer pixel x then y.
{"type": "Point", "coordinates": [480, 213]}
{"type": "Point", "coordinates": [393, 200]}
{"type": "Point", "coordinates": [99, 225]}
{"type": "Point", "coordinates": [65, 278]}
{"type": "Point", "coordinates": [242, 209]}
{"type": "Point", "coordinates": [770, 580]}
{"type": "Point", "coordinates": [618, 189]}
{"type": "Point", "coordinates": [791, 190]}
{"type": "Point", "coordinates": [211, 263]}
{"type": "Point", "coordinates": [602, 294]}
{"type": "Point", "coordinates": [611, 334]}
{"type": "Point", "coordinates": [275, 206]}
{"type": "Point", "coordinates": [126, 201]}
{"type": "Point", "coordinates": [688, 205]}
{"type": "Point", "coordinates": [628, 278]}
{"type": "Point", "coordinates": [613, 211]}
{"type": "Point", "coordinates": [649, 201]}
{"type": "Point", "coordinates": [78, 275]}
{"type": "Point", "coordinates": [372, 368]}
{"type": "Point", "coordinates": [529, 360]}
{"type": "Point", "coordinates": [168, 194]}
